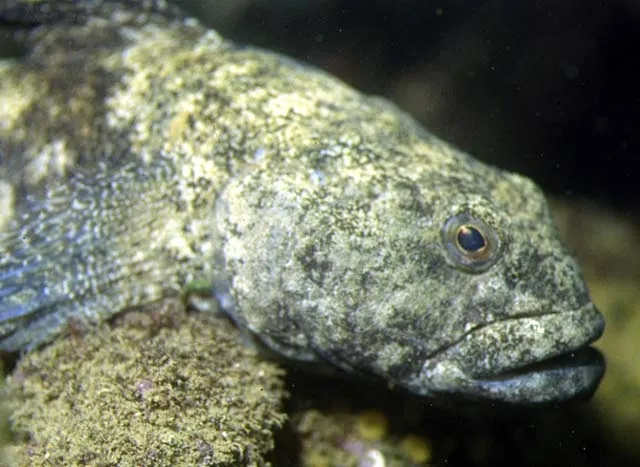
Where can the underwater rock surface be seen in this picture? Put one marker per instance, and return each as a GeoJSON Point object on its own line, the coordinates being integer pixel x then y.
{"type": "Point", "coordinates": [161, 389]}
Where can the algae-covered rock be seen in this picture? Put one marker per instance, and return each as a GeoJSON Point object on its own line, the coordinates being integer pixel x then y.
{"type": "Point", "coordinates": [4, 425]}
{"type": "Point", "coordinates": [349, 438]}
{"type": "Point", "coordinates": [168, 389]}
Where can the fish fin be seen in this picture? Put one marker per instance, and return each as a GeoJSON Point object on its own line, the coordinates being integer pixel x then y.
{"type": "Point", "coordinates": [79, 255]}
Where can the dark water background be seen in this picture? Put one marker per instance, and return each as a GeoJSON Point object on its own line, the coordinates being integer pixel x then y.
{"type": "Point", "coordinates": [546, 88]}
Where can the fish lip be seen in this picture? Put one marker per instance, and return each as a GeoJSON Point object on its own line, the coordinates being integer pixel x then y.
{"type": "Point", "coordinates": [530, 373]}
{"type": "Point", "coordinates": [560, 379]}
{"type": "Point", "coordinates": [586, 356]}
{"type": "Point", "coordinates": [568, 376]}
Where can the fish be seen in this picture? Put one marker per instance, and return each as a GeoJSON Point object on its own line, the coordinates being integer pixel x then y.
{"type": "Point", "coordinates": [144, 156]}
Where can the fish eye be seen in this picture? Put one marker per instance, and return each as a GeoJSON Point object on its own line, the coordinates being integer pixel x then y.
{"type": "Point", "coordinates": [470, 239]}
{"type": "Point", "coordinates": [472, 243]}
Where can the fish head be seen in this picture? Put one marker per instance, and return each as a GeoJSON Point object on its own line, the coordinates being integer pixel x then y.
{"type": "Point", "coordinates": [440, 281]}
{"type": "Point", "coordinates": [520, 318]}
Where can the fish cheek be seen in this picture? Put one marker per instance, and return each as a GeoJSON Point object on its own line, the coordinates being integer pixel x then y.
{"type": "Point", "coordinates": [257, 232]}
{"type": "Point", "coordinates": [375, 301]}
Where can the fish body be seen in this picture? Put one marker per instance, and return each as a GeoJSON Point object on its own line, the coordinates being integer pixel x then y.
{"type": "Point", "coordinates": [141, 152]}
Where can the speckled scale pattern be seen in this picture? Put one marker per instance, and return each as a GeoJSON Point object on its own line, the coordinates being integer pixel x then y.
{"type": "Point", "coordinates": [165, 155]}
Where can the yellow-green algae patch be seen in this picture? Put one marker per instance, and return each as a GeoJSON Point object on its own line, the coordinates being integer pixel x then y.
{"type": "Point", "coordinates": [350, 438]}
{"type": "Point", "coordinates": [172, 390]}
{"type": "Point", "coordinates": [4, 425]}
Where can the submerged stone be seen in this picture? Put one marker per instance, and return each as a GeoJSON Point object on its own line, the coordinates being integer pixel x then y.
{"type": "Point", "coordinates": [165, 389]}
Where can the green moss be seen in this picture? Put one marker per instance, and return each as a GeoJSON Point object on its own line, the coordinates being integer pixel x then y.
{"type": "Point", "coordinates": [181, 391]}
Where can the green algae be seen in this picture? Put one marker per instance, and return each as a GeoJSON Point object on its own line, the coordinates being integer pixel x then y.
{"type": "Point", "coordinates": [160, 389]}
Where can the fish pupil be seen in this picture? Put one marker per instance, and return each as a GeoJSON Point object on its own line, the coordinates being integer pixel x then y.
{"type": "Point", "coordinates": [470, 239]}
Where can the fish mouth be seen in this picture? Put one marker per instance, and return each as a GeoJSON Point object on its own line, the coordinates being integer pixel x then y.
{"type": "Point", "coordinates": [522, 360]}
{"type": "Point", "coordinates": [574, 375]}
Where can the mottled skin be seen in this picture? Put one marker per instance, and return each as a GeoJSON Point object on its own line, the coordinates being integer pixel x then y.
{"type": "Point", "coordinates": [141, 152]}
